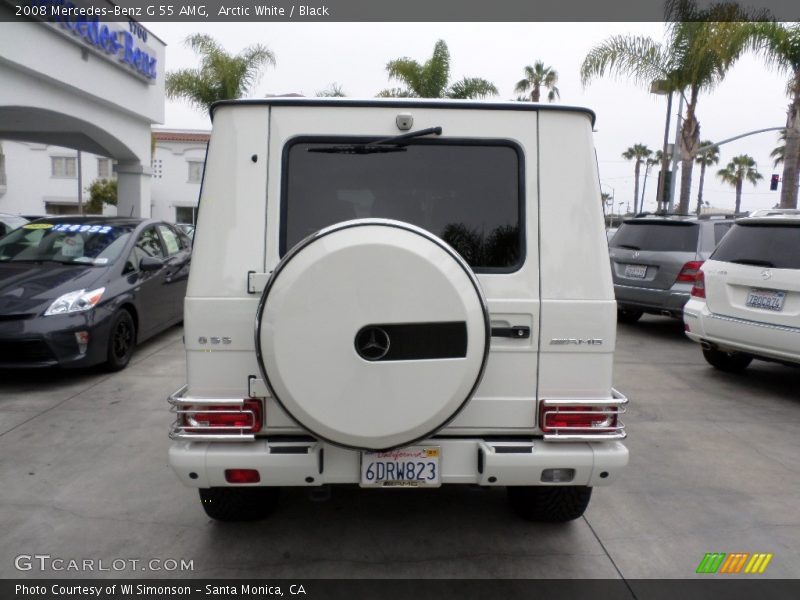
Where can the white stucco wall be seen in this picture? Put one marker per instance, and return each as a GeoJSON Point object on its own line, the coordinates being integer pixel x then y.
{"type": "Point", "coordinates": [173, 188]}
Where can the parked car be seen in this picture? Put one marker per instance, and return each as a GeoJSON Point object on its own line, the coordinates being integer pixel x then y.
{"type": "Point", "coordinates": [10, 222]}
{"type": "Point", "coordinates": [186, 228]}
{"type": "Point", "coordinates": [401, 308]}
{"type": "Point", "coordinates": [610, 232]}
{"type": "Point", "coordinates": [654, 260]}
{"type": "Point", "coordinates": [78, 291]}
{"type": "Point", "coordinates": [746, 298]}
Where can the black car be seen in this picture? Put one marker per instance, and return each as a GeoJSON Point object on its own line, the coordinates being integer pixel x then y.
{"type": "Point", "coordinates": [80, 291]}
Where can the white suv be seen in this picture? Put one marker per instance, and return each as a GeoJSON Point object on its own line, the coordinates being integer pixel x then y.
{"type": "Point", "coordinates": [399, 294]}
{"type": "Point", "coordinates": [746, 300]}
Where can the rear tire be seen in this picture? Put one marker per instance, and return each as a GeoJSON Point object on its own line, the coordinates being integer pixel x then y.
{"type": "Point", "coordinates": [626, 315]}
{"type": "Point", "coordinates": [549, 504]}
{"type": "Point", "coordinates": [239, 504]}
{"type": "Point", "coordinates": [730, 362]}
{"type": "Point", "coordinates": [121, 341]}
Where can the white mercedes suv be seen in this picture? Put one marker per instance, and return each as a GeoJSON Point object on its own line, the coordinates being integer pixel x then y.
{"type": "Point", "coordinates": [745, 303]}
{"type": "Point", "coordinates": [399, 293]}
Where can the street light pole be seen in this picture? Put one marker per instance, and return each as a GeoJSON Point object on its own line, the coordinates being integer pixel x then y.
{"type": "Point", "coordinates": [660, 87]}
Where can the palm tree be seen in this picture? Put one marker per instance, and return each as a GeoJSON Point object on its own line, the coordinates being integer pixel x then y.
{"type": "Point", "coordinates": [701, 45]}
{"type": "Point", "coordinates": [780, 45]}
{"type": "Point", "coordinates": [637, 153]}
{"type": "Point", "coordinates": [334, 90]}
{"type": "Point", "coordinates": [741, 168]}
{"type": "Point", "coordinates": [779, 152]}
{"type": "Point", "coordinates": [537, 77]}
{"type": "Point", "coordinates": [705, 159]}
{"type": "Point", "coordinates": [648, 164]}
{"type": "Point", "coordinates": [220, 75]}
{"type": "Point", "coordinates": [430, 80]}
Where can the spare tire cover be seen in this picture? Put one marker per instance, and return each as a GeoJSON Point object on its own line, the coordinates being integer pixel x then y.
{"type": "Point", "coordinates": [372, 334]}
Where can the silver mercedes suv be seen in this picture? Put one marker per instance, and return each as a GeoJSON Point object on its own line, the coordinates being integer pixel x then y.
{"type": "Point", "coordinates": [654, 260]}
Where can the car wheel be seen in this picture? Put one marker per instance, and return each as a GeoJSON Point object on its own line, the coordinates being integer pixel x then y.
{"type": "Point", "coordinates": [121, 341]}
{"type": "Point", "coordinates": [730, 362]}
{"type": "Point", "coordinates": [556, 504]}
{"type": "Point", "coordinates": [626, 315]}
{"type": "Point", "coordinates": [239, 504]}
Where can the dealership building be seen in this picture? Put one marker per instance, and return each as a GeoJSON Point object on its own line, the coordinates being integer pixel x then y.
{"type": "Point", "coordinates": [72, 84]}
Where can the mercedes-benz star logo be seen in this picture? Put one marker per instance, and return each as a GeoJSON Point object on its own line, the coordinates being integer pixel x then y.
{"type": "Point", "coordinates": [766, 274]}
{"type": "Point", "coordinates": [372, 343]}
{"type": "Point", "coordinates": [636, 254]}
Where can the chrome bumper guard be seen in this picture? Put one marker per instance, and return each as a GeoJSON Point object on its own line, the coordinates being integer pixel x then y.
{"type": "Point", "coordinates": [612, 408]}
{"type": "Point", "coordinates": [182, 405]}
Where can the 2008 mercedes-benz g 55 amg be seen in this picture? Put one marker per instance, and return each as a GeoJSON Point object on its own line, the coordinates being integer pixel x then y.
{"type": "Point", "coordinates": [399, 293]}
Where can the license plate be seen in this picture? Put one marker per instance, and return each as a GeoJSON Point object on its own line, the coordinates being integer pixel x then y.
{"type": "Point", "coordinates": [635, 271]}
{"type": "Point", "coordinates": [416, 466]}
{"type": "Point", "coordinates": [766, 299]}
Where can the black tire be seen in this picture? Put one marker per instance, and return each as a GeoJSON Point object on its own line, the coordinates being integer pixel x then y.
{"type": "Point", "coordinates": [627, 315]}
{"type": "Point", "coordinates": [730, 362]}
{"type": "Point", "coordinates": [549, 504]}
{"type": "Point", "coordinates": [239, 504]}
{"type": "Point", "coordinates": [121, 341]}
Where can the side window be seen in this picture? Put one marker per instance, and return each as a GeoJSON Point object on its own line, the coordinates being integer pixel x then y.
{"type": "Point", "coordinates": [170, 239]}
{"type": "Point", "coordinates": [720, 229]}
{"type": "Point", "coordinates": [148, 245]}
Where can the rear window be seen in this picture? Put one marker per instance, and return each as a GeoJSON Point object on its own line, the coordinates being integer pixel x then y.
{"type": "Point", "coordinates": [662, 237]}
{"type": "Point", "coordinates": [776, 246]}
{"type": "Point", "coordinates": [468, 194]}
{"type": "Point", "coordinates": [720, 229]}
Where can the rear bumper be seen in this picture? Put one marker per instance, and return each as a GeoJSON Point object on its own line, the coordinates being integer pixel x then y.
{"type": "Point", "coordinates": [307, 463]}
{"type": "Point", "coordinates": [653, 300]}
{"type": "Point", "coordinates": [762, 340]}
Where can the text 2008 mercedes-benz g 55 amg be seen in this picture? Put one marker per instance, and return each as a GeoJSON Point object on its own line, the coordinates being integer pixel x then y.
{"type": "Point", "coordinates": [399, 294]}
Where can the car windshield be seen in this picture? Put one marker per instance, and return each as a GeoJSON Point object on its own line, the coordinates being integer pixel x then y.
{"type": "Point", "coordinates": [660, 237]}
{"type": "Point", "coordinates": [776, 246]}
{"type": "Point", "coordinates": [85, 243]}
{"type": "Point", "coordinates": [466, 193]}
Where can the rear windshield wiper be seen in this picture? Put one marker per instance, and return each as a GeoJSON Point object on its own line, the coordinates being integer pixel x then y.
{"type": "Point", "coordinates": [751, 261]}
{"type": "Point", "coordinates": [628, 246]}
{"type": "Point", "coordinates": [392, 144]}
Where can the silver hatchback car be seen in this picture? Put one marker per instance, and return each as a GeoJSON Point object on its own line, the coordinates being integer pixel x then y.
{"type": "Point", "coordinates": [654, 260]}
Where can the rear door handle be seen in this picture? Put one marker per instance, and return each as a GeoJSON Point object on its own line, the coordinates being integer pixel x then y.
{"type": "Point", "coordinates": [518, 332]}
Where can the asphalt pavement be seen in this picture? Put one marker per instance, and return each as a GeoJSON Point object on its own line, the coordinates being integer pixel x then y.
{"type": "Point", "coordinates": [714, 468]}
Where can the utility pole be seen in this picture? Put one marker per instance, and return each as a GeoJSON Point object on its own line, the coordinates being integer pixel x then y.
{"type": "Point", "coordinates": [80, 185]}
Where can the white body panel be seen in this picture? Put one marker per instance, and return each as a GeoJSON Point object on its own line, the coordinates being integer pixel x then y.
{"type": "Point", "coordinates": [562, 291]}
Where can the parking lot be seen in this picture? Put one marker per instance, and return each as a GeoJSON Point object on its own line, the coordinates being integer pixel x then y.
{"type": "Point", "coordinates": [83, 466]}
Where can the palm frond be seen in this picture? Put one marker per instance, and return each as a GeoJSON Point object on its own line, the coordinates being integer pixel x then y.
{"type": "Point", "coordinates": [471, 88]}
{"type": "Point", "coordinates": [638, 58]}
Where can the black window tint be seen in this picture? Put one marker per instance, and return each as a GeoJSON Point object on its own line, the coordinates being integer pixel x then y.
{"type": "Point", "coordinates": [720, 229]}
{"type": "Point", "coordinates": [662, 237]}
{"type": "Point", "coordinates": [468, 195]}
{"type": "Point", "coordinates": [776, 246]}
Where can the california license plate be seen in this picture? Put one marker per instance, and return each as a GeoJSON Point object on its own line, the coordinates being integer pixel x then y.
{"type": "Point", "coordinates": [766, 299]}
{"type": "Point", "coordinates": [635, 271]}
{"type": "Point", "coordinates": [416, 466]}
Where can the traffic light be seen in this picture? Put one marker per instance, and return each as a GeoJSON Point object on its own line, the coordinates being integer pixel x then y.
{"type": "Point", "coordinates": [773, 183]}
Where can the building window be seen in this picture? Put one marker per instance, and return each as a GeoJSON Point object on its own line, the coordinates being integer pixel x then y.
{"type": "Point", "coordinates": [186, 214]}
{"type": "Point", "coordinates": [104, 170]}
{"type": "Point", "coordinates": [157, 165]}
{"type": "Point", "coordinates": [64, 166]}
{"type": "Point", "coordinates": [54, 208]}
{"type": "Point", "coordinates": [195, 171]}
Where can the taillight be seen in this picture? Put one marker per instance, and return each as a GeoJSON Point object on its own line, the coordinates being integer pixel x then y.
{"type": "Point", "coordinates": [242, 476]}
{"type": "Point", "coordinates": [223, 418]}
{"type": "Point", "coordinates": [689, 271]}
{"type": "Point", "coordinates": [699, 287]}
{"type": "Point", "coordinates": [578, 418]}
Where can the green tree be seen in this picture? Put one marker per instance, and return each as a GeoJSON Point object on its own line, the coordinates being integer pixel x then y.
{"type": "Point", "coordinates": [741, 168]}
{"type": "Point", "coordinates": [637, 153]}
{"type": "Point", "coordinates": [220, 75]}
{"type": "Point", "coordinates": [101, 191]}
{"type": "Point", "coordinates": [431, 79]}
{"type": "Point", "coordinates": [701, 46]}
{"type": "Point", "coordinates": [537, 77]}
{"type": "Point", "coordinates": [705, 159]}
{"type": "Point", "coordinates": [780, 45]}
{"type": "Point", "coordinates": [334, 90]}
